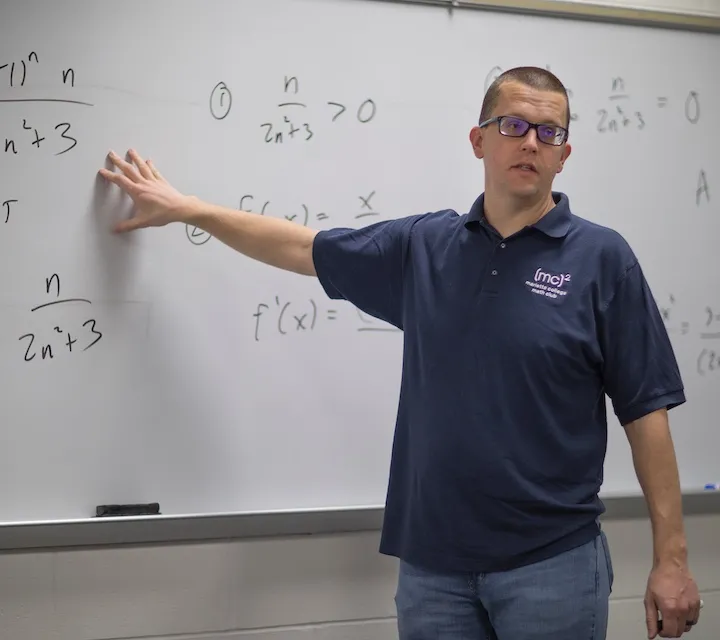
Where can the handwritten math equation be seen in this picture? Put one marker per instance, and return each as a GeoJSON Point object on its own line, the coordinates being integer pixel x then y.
{"type": "Point", "coordinates": [708, 360]}
{"type": "Point", "coordinates": [621, 112]}
{"type": "Point", "coordinates": [302, 214]}
{"type": "Point", "coordinates": [80, 336]}
{"type": "Point", "coordinates": [364, 209]}
{"type": "Point", "coordinates": [58, 139]}
{"type": "Point", "coordinates": [22, 135]}
{"type": "Point", "coordinates": [14, 73]}
{"type": "Point", "coordinates": [282, 317]}
{"type": "Point", "coordinates": [364, 206]}
{"type": "Point", "coordinates": [290, 122]}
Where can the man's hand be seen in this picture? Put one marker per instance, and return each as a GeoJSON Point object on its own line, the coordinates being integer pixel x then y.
{"type": "Point", "coordinates": [673, 596]}
{"type": "Point", "coordinates": [157, 203]}
{"type": "Point", "coordinates": [671, 591]}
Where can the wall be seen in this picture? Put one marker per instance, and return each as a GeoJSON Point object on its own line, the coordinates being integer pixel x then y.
{"type": "Point", "coordinates": [319, 588]}
{"type": "Point", "coordinates": [324, 588]}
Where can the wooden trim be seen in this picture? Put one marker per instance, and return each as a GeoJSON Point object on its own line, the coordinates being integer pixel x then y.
{"type": "Point", "coordinates": [586, 11]}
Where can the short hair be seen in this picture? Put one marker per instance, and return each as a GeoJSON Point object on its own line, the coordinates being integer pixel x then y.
{"type": "Point", "coordinates": [534, 77]}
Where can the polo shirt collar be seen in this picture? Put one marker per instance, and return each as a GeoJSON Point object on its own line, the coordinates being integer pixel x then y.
{"type": "Point", "coordinates": [555, 223]}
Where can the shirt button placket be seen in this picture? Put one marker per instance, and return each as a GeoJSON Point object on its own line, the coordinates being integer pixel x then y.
{"type": "Point", "coordinates": [502, 246]}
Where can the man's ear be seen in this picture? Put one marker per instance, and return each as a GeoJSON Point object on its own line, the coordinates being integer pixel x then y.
{"type": "Point", "coordinates": [565, 155]}
{"type": "Point", "coordinates": [476, 140]}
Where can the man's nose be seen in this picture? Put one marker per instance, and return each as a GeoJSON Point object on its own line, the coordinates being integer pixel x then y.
{"type": "Point", "coordinates": [530, 141]}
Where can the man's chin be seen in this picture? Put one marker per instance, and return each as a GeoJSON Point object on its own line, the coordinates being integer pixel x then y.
{"type": "Point", "coordinates": [530, 192]}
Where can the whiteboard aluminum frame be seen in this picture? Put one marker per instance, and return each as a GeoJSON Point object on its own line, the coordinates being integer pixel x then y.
{"type": "Point", "coordinates": [226, 526]}
{"type": "Point", "coordinates": [682, 20]}
{"type": "Point", "coordinates": [179, 529]}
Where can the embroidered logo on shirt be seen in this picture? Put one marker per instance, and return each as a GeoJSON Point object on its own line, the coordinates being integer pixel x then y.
{"type": "Point", "coordinates": [550, 285]}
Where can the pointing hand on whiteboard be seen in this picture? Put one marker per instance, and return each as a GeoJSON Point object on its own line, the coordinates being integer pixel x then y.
{"type": "Point", "coordinates": [272, 240]}
{"type": "Point", "coordinates": [157, 202]}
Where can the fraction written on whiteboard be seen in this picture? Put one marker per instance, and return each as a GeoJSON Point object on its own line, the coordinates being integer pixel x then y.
{"type": "Point", "coordinates": [283, 317]}
{"type": "Point", "coordinates": [80, 336]}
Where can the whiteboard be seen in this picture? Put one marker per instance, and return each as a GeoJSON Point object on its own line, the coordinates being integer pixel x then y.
{"type": "Point", "coordinates": [183, 373]}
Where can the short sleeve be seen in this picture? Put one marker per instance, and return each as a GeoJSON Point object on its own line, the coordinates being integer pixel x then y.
{"type": "Point", "coordinates": [641, 373]}
{"type": "Point", "coordinates": [365, 266]}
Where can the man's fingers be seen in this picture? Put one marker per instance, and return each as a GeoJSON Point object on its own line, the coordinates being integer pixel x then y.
{"type": "Point", "coordinates": [154, 170]}
{"type": "Point", "coordinates": [651, 620]}
{"type": "Point", "coordinates": [120, 180]}
{"type": "Point", "coordinates": [128, 225]}
{"type": "Point", "coordinates": [144, 170]}
{"type": "Point", "coordinates": [129, 170]}
{"type": "Point", "coordinates": [684, 614]}
{"type": "Point", "coordinates": [693, 616]}
{"type": "Point", "coordinates": [671, 626]}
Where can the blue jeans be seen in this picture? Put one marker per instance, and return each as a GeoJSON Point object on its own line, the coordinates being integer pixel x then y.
{"type": "Point", "coordinates": [562, 598]}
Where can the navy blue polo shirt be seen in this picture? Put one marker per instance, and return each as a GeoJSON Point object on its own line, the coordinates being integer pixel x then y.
{"type": "Point", "coordinates": [510, 346]}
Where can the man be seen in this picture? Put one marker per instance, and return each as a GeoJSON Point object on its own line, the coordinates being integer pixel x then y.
{"type": "Point", "coordinates": [518, 317]}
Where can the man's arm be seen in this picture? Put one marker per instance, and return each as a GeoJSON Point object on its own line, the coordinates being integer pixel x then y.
{"type": "Point", "coordinates": [671, 589]}
{"type": "Point", "coordinates": [276, 242]}
{"type": "Point", "coordinates": [364, 266]}
{"type": "Point", "coordinates": [656, 468]}
{"type": "Point", "coordinates": [642, 377]}
{"type": "Point", "coordinates": [279, 243]}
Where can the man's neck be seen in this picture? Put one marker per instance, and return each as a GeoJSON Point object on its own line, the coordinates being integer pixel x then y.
{"type": "Point", "coordinates": [510, 216]}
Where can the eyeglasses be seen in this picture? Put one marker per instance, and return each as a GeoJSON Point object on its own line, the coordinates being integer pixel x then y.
{"type": "Point", "coordinates": [517, 128]}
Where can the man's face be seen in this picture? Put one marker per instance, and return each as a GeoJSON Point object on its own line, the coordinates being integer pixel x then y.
{"type": "Point", "coordinates": [503, 155]}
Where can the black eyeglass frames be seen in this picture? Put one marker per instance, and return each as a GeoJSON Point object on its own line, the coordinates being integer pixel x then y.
{"type": "Point", "coordinates": [517, 127]}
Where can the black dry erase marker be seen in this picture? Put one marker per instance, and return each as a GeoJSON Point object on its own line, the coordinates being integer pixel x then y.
{"type": "Point", "coordinates": [119, 510]}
